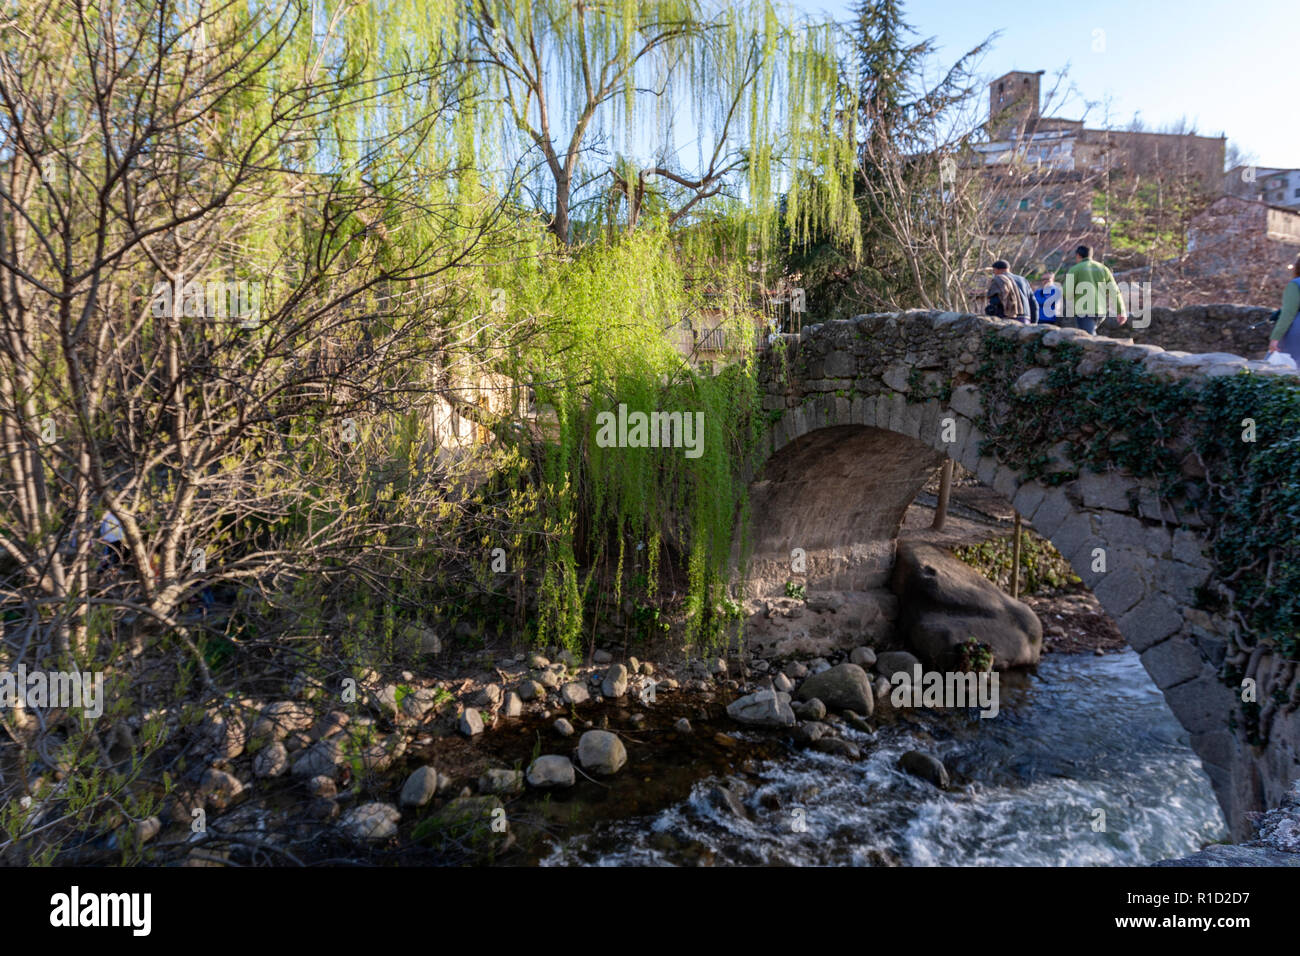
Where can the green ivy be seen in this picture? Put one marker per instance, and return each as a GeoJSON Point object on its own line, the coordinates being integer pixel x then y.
{"type": "Point", "coordinates": [1124, 417]}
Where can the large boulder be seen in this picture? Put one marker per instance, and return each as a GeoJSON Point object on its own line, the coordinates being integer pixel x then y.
{"type": "Point", "coordinates": [943, 603]}
{"type": "Point", "coordinates": [842, 687]}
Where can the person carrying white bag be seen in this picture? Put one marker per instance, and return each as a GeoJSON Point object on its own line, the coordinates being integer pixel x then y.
{"type": "Point", "coordinates": [1284, 341]}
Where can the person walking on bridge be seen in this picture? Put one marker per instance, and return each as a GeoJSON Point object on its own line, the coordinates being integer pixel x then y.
{"type": "Point", "coordinates": [1019, 303]}
{"type": "Point", "coordinates": [1090, 287]}
{"type": "Point", "coordinates": [1285, 337]}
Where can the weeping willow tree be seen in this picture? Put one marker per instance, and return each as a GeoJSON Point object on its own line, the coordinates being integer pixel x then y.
{"type": "Point", "coordinates": [251, 253]}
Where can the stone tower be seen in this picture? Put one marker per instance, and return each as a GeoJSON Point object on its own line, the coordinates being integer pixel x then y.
{"type": "Point", "coordinates": [1013, 103]}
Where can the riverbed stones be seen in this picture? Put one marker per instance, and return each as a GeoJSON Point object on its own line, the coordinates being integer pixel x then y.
{"type": "Point", "coordinates": [329, 725]}
{"type": "Point", "coordinates": [843, 687]}
{"type": "Point", "coordinates": [926, 766]}
{"type": "Point", "coordinates": [420, 787]}
{"type": "Point", "coordinates": [271, 761]}
{"type": "Point", "coordinates": [783, 684]}
{"type": "Point", "coordinates": [499, 780]}
{"type": "Point", "coordinates": [602, 657]}
{"type": "Point", "coordinates": [280, 719]}
{"type": "Point", "coordinates": [762, 709]}
{"type": "Point", "coordinates": [219, 788]}
{"type": "Point", "coordinates": [864, 657]}
{"type": "Point", "coordinates": [809, 732]}
{"type": "Point", "coordinates": [837, 747]}
{"type": "Point", "coordinates": [513, 706]}
{"type": "Point", "coordinates": [574, 693]}
{"type": "Point", "coordinates": [881, 689]}
{"type": "Point", "coordinates": [615, 683]}
{"type": "Point", "coordinates": [323, 786]}
{"type": "Point", "coordinates": [371, 822]}
{"type": "Point", "coordinates": [563, 727]}
{"type": "Point", "coordinates": [812, 709]}
{"type": "Point", "coordinates": [531, 690]}
{"type": "Point", "coordinates": [601, 752]}
{"type": "Point", "coordinates": [322, 758]}
{"type": "Point", "coordinates": [225, 734]}
{"type": "Point", "coordinates": [682, 726]}
{"type": "Point", "coordinates": [489, 697]}
{"type": "Point", "coordinates": [945, 602]}
{"type": "Point", "coordinates": [470, 723]}
{"type": "Point", "coordinates": [551, 770]}
{"type": "Point", "coordinates": [893, 662]}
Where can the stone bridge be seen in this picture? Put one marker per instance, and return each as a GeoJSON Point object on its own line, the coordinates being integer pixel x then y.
{"type": "Point", "coordinates": [861, 412]}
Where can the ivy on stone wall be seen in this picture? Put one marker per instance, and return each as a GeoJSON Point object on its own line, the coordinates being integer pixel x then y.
{"type": "Point", "coordinates": [1238, 464]}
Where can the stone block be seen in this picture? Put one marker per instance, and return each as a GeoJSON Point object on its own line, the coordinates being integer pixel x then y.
{"type": "Point", "coordinates": [1171, 662]}
{"type": "Point", "coordinates": [1155, 618]}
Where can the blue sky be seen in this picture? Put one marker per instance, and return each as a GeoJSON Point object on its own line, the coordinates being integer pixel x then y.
{"type": "Point", "coordinates": [1229, 68]}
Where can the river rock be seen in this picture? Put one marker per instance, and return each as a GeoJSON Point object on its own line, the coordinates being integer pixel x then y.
{"type": "Point", "coordinates": [489, 697]}
{"type": "Point", "coordinates": [322, 758]}
{"type": "Point", "coordinates": [420, 787]}
{"type": "Point", "coordinates": [615, 683]}
{"type": "Point", "coordinates": [728, 797]}
{"type": "Point", "coordinates": [219, 788]}
{"type": "Point", "coordinates": [513, 706]}
{"type": "Point", "coordinates": [551, 770]}
{"type": "Point", "coordinates": [762, 709]}
{"type": "Point", "coordinates": [281, 719]}
{"type": "Point", "coordinates": [323, 786]}
{"type": "Point", "coordinates": [563, 727]}
{"type": "Point", "coordinates": [470, 723]}
{"type": "Point", "coordinates": [782, 683]}
{"type": "Point", "coordinates": [882, 688]}
{"type": "Point", "coordinates": [837, 747]}
{"type": "Point", "coordinates": [531, 690]}
{"type": "Point", "coordinates": [683, 726]}
{"type": "Point", "coordinates": [809, 732]}
{"type": "Point", "coordinates": [225, 733]}
{"type": "Point", "coordinates": [810, 709]}
{"type": "Point", "coordinates": [857, 722]}
{"type": "Point", "coordinates": [272, 760]}
{"type": "Point", "coordinates": [943, 602]}
{"type": "Point", "coordinates": [601, 752]}
{"type": "Point", "coordinates": [844, 687]}
{"type": "Point", "coordinates": [500, 780]}
{"type": "Point", "coordinates": [864, 657]}
{"type": "Point", "coordinates": [573, 693]}
{"type": "Point", "coordinates": [371, 822]}
{"type": "Point", "coordinates": [601, 657]}
{"type": "Point", "coordinates": [926, 766]}
{"type": "Point", "coordinates": [893, 662]}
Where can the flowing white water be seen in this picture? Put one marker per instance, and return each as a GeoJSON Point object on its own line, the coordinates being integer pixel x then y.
{"type": "Point", "coordinates": [1085, 734]}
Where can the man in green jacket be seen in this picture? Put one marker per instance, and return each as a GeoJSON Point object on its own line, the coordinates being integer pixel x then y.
{"type": "Point", "coordinates": [1286, 331]}
{"type": "Point", "coordinates": [1089, 287]}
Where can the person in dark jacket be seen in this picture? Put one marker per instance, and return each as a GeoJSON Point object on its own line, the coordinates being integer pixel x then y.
{"type": "Point", "coordinates": [1028, 311]}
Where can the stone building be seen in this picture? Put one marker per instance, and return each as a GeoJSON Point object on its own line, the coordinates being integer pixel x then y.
{"type": "Point", "coordinates": [1277, 187]}
{"type": "Point", "coordinates": [1047, 169]}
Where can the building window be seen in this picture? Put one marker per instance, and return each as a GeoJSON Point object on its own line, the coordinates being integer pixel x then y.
{"type": "Point", "coordinates": [1297, 192]}
{"type": "Point", "coordinates": [1024, 204]}
{"type": "Point", "coordinates": [1001, 204]}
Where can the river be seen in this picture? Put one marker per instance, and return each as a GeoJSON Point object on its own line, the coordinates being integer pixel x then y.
{"type": "Point", "coordinates": [1083, 734]}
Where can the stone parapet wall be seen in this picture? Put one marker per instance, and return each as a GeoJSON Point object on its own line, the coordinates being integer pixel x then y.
{"type": "Point", "coordinates": [1240, 329]}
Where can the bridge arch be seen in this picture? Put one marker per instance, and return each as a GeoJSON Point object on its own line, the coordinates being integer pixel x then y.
{"type": "Point", "coordinates": [861, 413]}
